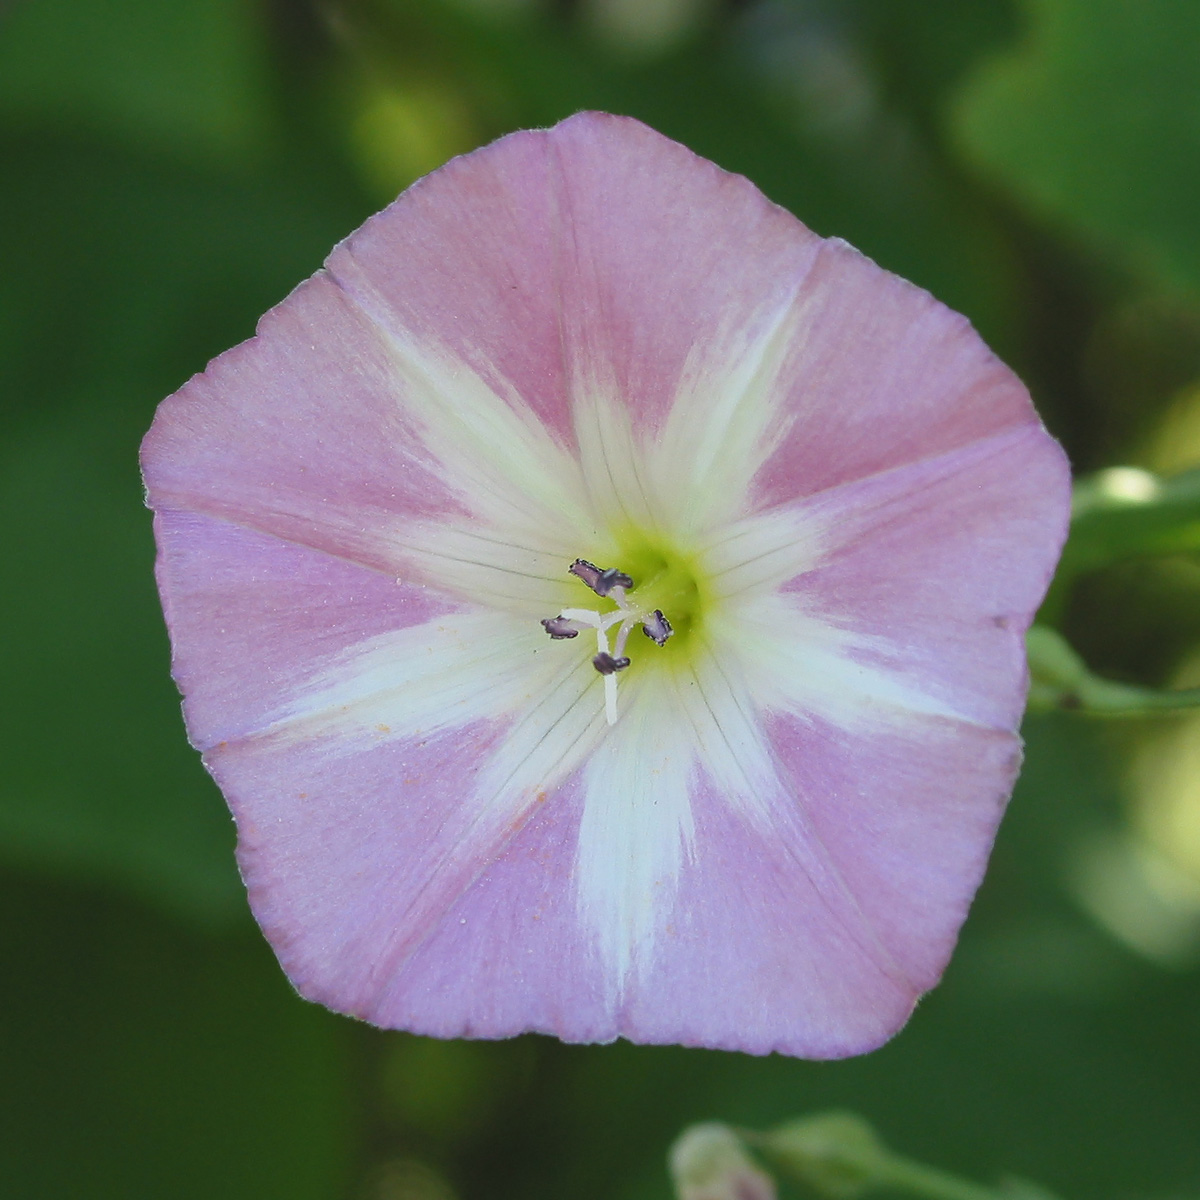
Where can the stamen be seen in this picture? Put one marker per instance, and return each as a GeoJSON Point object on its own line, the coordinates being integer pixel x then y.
{"type": "Point", "coordinates": [612, 585]}
{"type": "Point", "coordinates": [591, 618]}
{"type": "Point", "coordinates": [623, 635]}
{"type": "Point", "coordinates": [657, 628]}
{"type": "Point", "coordinates": [611, 579]}
{"type": "Point", "coordinates": [606, 664]}
{"type": "Point", "coordinates": [588, 572]}
{"type": "Point", "coordinates": [610, 678]}
{"type": "Point", "coordinates": [601, 581]}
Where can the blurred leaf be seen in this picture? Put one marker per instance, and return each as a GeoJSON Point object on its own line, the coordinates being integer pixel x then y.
{"type": "Point", "coordinates": [840, 1156]}
{"type": "Point", "coordinates": [401, 133]}
{"type": "Point", "coordinates": [836, 1154]}
{"type": "Point", "coordinates": [1092, 121]}
{"type": "Point", "coordinates": [142, 1061]}
{"type": "Point", "coordinates": [1125, 512]}
{"type": "Point", "coordinates": [925, 49]}
{"type": "Point", "coordinates": [1128, 583]}
{"type": "Point", "coordinates": [184, 76]}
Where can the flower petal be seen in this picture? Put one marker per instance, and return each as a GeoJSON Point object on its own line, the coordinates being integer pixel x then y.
{"type": "Point", "coordinates": [458, 668]}
{"type": "Point", "coordinates": [912, 846]}
{"type": "Point", "coordinates": [750, 949]}
{"type": "Point", "coordinates": [636, 832]}
{"type": "Point", "coordinates": [940, 565]}
{"type": "Point", "coordinates": [593, 263]}
{"type": "Point", "coordinates": [357, 842]}
{"type": "Point", "coordinates": [275, 437]}
{"type": "Point", "coordinates": [298, 433]}
{"type": "Point", "coordinates": [252, 614]}
{"type": "Point", "coordinates": [918, 382]}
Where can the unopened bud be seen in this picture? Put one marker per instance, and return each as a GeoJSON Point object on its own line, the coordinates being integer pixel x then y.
{"type": "Point", "coordinates": [709, 1162]}
{"type": "Point", "coordinates": [837, 1154]}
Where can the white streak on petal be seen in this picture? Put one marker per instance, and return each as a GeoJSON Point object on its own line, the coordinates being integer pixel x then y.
{"type": "Point", "coordinates": [549, 739]}
{"type": "Point", "coordinates": [611, 459]}
{"type": "Point", "coordinates": [799, 663]}
{"type": "Point", "coordinates": [636, 832]}
{"type": "Point", "coordinates": [446, 673]}
{"type": "Point", "coordinates": [495, 451]}
{"type": "Point", "coordinates": [760, 553]}
{"type": "Point", "coordinates": [726, 420]}
{"type": "Point", "coordinates": [728, 734]}
{"type": "Point", "coordinates": [477, 564]}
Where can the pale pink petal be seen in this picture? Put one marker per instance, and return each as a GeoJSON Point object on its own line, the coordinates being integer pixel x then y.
{"type": "Point", "coordinates": [813, 935]}
{"type": "Point", "coordinates": [879, 375]}
{"type": "Point", "coordinates": [298, 433]}
{"type": "Point", "coordinates": [509, 956]}
{"type": "Point", "coordinates": [356, 851]}
{"type": "Point", "coordinates": [252, 616]}
{"type": "Point", "coordinates": [943, 562]}
{"type": "Point", "coordinates": [752, 956]}
{"type": "Point", "coordinates": [768, 949]}
{"type": "Point", "coordinates": [908, 815]}
{"type": "Point", "coordinates": [594, 252]}
{"type": "Point", "coordinates": [353, 860]}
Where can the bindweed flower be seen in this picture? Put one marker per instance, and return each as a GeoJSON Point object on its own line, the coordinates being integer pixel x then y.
{"type": "Point", "coordinates": [601, 602]}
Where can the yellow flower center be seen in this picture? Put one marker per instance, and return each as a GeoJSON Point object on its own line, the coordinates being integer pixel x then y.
{"type": "Point", "coordinates": [664, 579]}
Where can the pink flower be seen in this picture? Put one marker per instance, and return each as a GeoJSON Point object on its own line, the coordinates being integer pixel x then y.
{"type": "Point", "coordinates": [836, 512]}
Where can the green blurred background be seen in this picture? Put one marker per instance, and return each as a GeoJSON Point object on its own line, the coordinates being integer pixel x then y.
{"type": "Point", "coordinates": [171, 168]}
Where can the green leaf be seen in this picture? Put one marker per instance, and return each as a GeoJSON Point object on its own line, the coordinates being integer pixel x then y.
{"type": "Point", "coordinates": [1093, 123]}
{"type": "Point", "coordinates": [1126, 513]}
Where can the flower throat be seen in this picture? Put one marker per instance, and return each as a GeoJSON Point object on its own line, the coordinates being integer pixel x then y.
{"type": "Point", "coordinates": [665, 605]}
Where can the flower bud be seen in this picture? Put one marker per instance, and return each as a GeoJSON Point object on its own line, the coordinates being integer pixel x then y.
{"type": "Point", "coordinates": [708, 1162]}
{"type": "Point", "coordinates": [837, 1154]}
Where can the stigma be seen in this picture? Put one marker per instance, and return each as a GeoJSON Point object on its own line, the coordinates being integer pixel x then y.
{"type": "Point", "coordinates": [610, 659]}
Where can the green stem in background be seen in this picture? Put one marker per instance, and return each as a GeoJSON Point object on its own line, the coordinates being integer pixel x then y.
{"type": "Point", "coordinates": [1059, 679]}
{"type": "Point", "coordinates": [839, 1156]}
{"type": "Point", "coordinates": [1125, 513]}
{"type": "Point", "coordinates": [1119, 514]}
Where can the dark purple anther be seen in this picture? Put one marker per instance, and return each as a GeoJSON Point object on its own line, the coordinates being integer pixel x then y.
{"type": "Point", "coordinates": [559, 627]}
{"type": "Point", "coordinates": [601, 582]}
{"type": "Point", "coordinates": [607, 665]}
{"type": "Point", "coordinates": [657, 627]}
{"type": "Point", "coordinates": [588, 572]}
{"type": "Point", "coordinates": [610, 579]}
